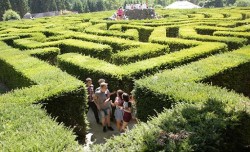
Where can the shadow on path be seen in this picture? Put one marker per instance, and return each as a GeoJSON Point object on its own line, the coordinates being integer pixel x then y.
{"type": "Point", "coordinates": [99, 136]}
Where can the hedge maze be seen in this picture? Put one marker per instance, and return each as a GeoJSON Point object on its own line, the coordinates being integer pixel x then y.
{"type": "Point", "coordinates": [189, 71]}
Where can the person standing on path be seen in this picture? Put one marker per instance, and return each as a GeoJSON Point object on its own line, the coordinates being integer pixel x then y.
{"type": "Point", "coordinates": [103, 104]}
{"type": "Point", "coordinates": [127, 108]}
{"type": "Point", "coordinates": [91, 103]}
{"type": "Point", "coordinates": [118, 110]}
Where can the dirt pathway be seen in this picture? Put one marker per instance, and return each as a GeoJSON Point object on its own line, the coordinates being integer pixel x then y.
{"type": "Point", "coordinates": [99, 136]}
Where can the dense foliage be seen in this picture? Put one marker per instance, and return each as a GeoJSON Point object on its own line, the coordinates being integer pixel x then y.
{"type": "Point", "coordinates": [38, 6]}
{"type": "Point", "coordinates": [188, 71]}
{"type": "Point", "coordinates": [11, 15]}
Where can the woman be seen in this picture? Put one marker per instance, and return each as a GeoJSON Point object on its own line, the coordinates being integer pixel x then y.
{"type": "Point", "coordinates": [118, 110]}
{"type": "Point", "coordinates": [127, 109]}
{"type": "Point", "coordinates": [120, 13]}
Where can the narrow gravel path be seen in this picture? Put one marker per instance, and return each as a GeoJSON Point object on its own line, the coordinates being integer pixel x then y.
{"type": "Point", "coordinates": [99, 136]}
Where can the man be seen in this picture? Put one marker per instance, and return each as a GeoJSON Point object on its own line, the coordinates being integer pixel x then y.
{"type": "Point", "coordinates": [99, 82]}
{"type": "Point", "coordinates": [103, 101]}
{"type": "Point", "coordinates": [112, 109]}
{"type": "Point", "coordinates": [91, 103]}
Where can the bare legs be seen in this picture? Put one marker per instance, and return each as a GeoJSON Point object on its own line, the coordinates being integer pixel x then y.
{"type": "Point", "coordinates": [124, 126]}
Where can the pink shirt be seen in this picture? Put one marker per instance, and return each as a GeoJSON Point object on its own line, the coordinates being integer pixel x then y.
{"type": "Point", "coordinates": [119, 12]}
{"type": "Point", "coordinates": [119, 101]}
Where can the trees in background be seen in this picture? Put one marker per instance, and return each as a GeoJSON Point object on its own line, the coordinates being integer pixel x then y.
{"type": "Point", "coordinates": [5, 5]}
{"type": "Point", "coordinates": [243, 3]}
{"type": "Point", "coordinates": [11, 15]}
{"type": "Point", "coordinates": [38, 6]}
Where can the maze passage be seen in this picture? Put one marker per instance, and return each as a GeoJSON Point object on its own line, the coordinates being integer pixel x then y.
{"type": "Point", "coordinates": [180, 67]}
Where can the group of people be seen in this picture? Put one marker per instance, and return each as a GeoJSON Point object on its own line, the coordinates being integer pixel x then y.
{"type": "Point", "coordinates": [99, 100]}
{"type": "Point", "coordinates": [136, 6]}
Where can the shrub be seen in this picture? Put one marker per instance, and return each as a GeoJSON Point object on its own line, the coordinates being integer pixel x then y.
{"type": "Point", "coordinates": [88, 48]}
{"type": "Point", "coordinates": [53, 88]}
{"type": "Point", "coordinates": [11, 15]}
{"type": "Point", "coordinates": [152, 97]}
{"type": "Point", "coordinates": [232, 42]}
{"type": "Point", "coordinates": [234, 34]}
{"type": "Point", "coordinates": [242, 3]}
{"type": "Point", "coordinates": [143, 52]}
{"type": "Point", "coordinates": [158, 6]}
{"type": "Point", "coordinates": [144, 31]}
{"type": "Point", "coordinates": [187, 127]}
{"type": "Point", "coordinates": [122, 76]}
{"type": "Point", "coordinates": [29, 128]}
{"type": "Point", "coordinates": [47, 54]}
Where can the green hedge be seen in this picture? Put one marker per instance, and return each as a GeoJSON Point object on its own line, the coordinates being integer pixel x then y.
{"type": "Point", "coordinates": [69, 45]}
{"type": "Point", "coordinates": [116, 43]}
{"type": "Point", "coordinates": [144, 31]}
{"type": "Point", "coordinates": [175, 44]}
{"type": "Point", "coordinates": [63, 96]}
{"type": "Point", "coordinates": [208, 30]}
{"type": "Point", "coordinates": [232, 42]}
{"type": "Point", "coordinates": [84, 66]}
{"type": "Point", "coordinates": [234, 34]}
{"type": "Point", "coordinates": [211, 126]}
{"type": "Point", "coordinates": [208, 119]}
{"type": "Point", "coordinates": [151, 97]}
{"type": "Point", "coordinates": [29, 128]}
{"type": "Point", "coordinates": [143, 52]}
{"type": "Point", "coordinates": [122, 76]}
{"type": "Point", "coordinates": [236, 79]}
{"type": "Point", "coordinates": [88, 48]}
{"type": "Point", "coordinates": [101, 29]}
{"type": "Point", "coordinates": [46, 54]}
{"type": "Point", "coordinates": [25, 44]}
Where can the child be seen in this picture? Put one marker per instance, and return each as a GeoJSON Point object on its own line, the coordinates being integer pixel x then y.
{"type": "Point", "coordinates": [118, 110]}
{"type": "Point", "coordinates": [127, 108]}
{"type": "Point", "coordinates": [91, 103]}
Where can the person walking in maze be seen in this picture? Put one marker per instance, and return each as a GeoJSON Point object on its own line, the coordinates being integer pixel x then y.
{"type": "Point", "coordinates": [127, 110]}
{"type": "Point", "coordinates": [103, 101]}
{"type": "Point", "coordinates": [111, 95]}
{"type": "Point", "coordinates": [119, 109]}
{"type": "Point", "coordinates": [91, 103]}
{"type": "Point", "coordinates": [120, 13]}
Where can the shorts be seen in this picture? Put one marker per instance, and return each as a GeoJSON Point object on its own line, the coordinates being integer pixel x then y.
{"type": "Point", "coordinates": [105, 112]}
{"type": "Point", "coordinates": [118, 114]}
{"type": "Point", "coordinates": [127, 117]}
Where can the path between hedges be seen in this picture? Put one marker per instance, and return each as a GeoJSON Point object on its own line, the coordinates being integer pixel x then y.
{"type": "Point", "coordinates": [96, 134]}
{"type": "Point", "coordinates": [99, 136]}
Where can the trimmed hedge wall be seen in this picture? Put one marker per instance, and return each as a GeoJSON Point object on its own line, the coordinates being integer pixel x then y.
{"type": "Point", "coordinates": [159, 36]}
{"type": "Point", "coordinates": [101, 29]}
{"type": "Point", "coordinates": [88, 48]}
{"type": "Point", "coordinates": [29, 128]}
{"type": "Point", "coordinates": [143, 52]}
{"type": "Point", "coordinates": [232, 42]}
{"type": "Point", "coordinates": [234, 34]}
{"type": "Point", "coordinates": [122, 76]}
{"type": "Point", "coordinates": [116, 43]}
{"type": "Point", "coordinates": [179, 81]}
{"type": "Point", "coordinates": [209, 126]}
{"type": "Point", "coordinates": [63, 96]}
{"type": "Point", "coordinates": [208, 119]}
{"type": "Point", "coordinates": [84, 66]}
{"type": "Point", "coordinates": [46, 54]}
{"type": "Point", "coordinates": [144, 31]}
{"type": "Point", "coordinates": [236, 79]}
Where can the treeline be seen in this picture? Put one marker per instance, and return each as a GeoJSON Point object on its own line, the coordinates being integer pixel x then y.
{"type": "Point", "coordinates": [39, 6]}
{"type": "Point", "coordinates": [81, 6]}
